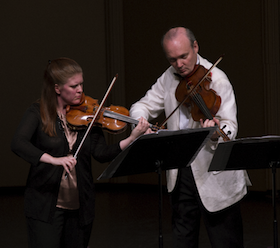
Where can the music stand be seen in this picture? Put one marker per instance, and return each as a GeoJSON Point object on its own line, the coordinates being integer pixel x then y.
{"type": "Point", "coordinates": [156, 152]}
{"type": "Point", "coordinates": [251, 153]}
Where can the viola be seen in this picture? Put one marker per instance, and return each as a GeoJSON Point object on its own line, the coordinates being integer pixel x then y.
{"type": "Point", "coordinates": [195, 93]}
{"type": "Point", "coordinates": [203, 101]}
{"type": "Point", "coordinates": [113, 119]}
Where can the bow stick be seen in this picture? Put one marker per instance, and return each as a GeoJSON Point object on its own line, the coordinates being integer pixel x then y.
{"type": "Point", "coordinates": [94, 118]}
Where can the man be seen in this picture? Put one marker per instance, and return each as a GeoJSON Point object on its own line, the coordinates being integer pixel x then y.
{"type": "Point", "coordinates": [195, 192]}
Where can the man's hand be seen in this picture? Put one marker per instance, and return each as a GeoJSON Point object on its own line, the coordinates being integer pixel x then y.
{"type": "Point", "coordinates": [211, 123]}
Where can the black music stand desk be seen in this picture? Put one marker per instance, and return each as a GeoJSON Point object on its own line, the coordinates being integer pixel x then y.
{"type": "Point", "coordinates": [159, 151]}
{"type": "Point", "coordinates": [250, 153]}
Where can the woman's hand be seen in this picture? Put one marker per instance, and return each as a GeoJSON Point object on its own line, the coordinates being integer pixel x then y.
{"type": "Point", "coordinates": [140, 129]}
{"type": "Point", "coordinates": [68, 162]}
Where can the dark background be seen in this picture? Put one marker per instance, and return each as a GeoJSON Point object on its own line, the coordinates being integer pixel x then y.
{"type": "Point", "coordinates": [32, 32]}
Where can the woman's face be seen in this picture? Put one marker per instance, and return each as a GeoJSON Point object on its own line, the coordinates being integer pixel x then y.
{"type": "Point", "coordinates": [71, 92]}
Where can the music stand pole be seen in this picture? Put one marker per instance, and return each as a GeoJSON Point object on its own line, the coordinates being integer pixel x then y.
{"type": "Point", "coordinates": [275, 225]}
{"type": "Point", "coordinates": [159, 171]}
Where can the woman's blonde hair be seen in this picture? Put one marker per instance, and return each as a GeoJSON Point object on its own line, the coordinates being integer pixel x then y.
{"type": "Point", "coordinates": [58, 71]}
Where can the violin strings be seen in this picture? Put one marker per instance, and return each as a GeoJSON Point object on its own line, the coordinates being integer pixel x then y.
{"type": "Point", "coordinates": [124, 118]}
{"type": "Point", "coordinates": [201, 104]}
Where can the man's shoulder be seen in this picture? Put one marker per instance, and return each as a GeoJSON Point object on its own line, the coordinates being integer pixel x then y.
{"type": "Point", "coordinates": [215, 71]}
{"type": "Point", "coordinates": [169, 71]}
{"type": "Point", "coordinates": [168, 74]}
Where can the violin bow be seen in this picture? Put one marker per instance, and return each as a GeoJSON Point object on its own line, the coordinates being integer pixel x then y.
{"type": "Point", "coordinates": [96, 114]}
{"type": "Point", "coordinates": [186, 97]}
{"type": "Point", "coordinates": [94, 118]}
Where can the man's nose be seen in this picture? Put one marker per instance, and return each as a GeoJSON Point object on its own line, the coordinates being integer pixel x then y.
{"type": "Point", "coordinates": [179, 63]}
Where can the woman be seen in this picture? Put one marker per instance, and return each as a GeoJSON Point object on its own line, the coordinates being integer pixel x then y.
{"type": "Point", "coordinates": [59, 209]}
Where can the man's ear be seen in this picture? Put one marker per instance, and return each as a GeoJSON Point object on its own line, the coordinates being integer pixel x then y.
{"type": "Point", "coordinates": [195, 46]}
{"type": "Point", "coordinates": [56, 88]}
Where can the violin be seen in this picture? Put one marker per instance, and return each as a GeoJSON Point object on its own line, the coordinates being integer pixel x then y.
{"type": "Point", "coordinates": [112, 119]}
{"type": "Point", "coordinates": [80, 116]}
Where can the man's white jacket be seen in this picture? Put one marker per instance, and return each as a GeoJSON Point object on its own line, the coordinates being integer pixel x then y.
{"type": "Point", "coordinates": [217, 190]}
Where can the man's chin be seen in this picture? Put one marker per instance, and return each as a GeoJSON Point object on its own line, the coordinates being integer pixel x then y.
{"type": "Point", "coordinates": [184, 74]}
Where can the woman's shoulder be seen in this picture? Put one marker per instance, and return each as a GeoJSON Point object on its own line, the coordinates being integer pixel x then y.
{"type": "Point", "coordinates": [33, 109]}
{"type": "Point", "coordinates": [35, 105]}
